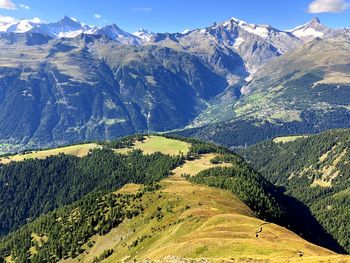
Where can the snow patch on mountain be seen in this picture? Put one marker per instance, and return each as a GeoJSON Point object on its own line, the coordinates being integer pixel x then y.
{"type": "Point", "coordinates": [239, 41]}
{"type": "Point", "coordinates": [119, 35]}
{"type": "Point", "coordinates": [10, 24]}
{"type": "Point", "coordinates": [259, 30]}
{"type": "Point", "coordinates": [307, 32]}
{"type": "Point", "coordinates": [310, 30]}
{"type": "Point", "coordinates": [144, 34]}
{"type": "Point", "coordinates": [69, 27]}
{"type": "Point", "coordinates": [233, 31]}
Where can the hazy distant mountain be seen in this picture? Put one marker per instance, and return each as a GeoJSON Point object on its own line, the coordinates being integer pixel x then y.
{"type": "Point", "coordinates": [9, 24]}
{"type": "Point", "coordinates": [234, 47]}
{"type": "Point", "coordinates": [67, 28]}
{"type": "Point", "coordinates": [115, 33]}
{"type": "Point", "coordinates": [71, 27]}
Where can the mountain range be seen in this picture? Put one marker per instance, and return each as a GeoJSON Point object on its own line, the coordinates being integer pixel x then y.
{"type": "Point", "coordinates": [66, 28]}
{"type": "Point", "coordinates": [77, 82]}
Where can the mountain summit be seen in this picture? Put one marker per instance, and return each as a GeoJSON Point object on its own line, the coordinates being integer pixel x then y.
{"type": "Point", "coordinates": [67, 21]}
{"type": "Point", "coordinates": [311, 30]}
{"type": "Point", "coordinates": [117, 34]}
{"type": "Point", "coordinates": [144, 34]}
{"type": "Point", "coordinates": [66, 27]}
{"type": "Point", "coordinates": [9, 24]}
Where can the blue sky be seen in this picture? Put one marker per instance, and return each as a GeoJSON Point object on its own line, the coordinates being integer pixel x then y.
{"type": "Point", "coordinates": [178, 15]}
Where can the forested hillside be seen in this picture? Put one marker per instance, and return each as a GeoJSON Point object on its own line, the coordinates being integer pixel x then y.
{"type": "Point", "coordinates": [315, 169]}
{"type": "Point", "coordinates": [61, 204]}
{"type": "Point", "coordinates": [33, 187]}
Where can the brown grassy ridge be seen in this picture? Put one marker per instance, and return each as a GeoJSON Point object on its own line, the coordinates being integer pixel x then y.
{"type": "Point", "coordinates": [79, 150]}
{"type": "Point", "coordinates": [184, 221]}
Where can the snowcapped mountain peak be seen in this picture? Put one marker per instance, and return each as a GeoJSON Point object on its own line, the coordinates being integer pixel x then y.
{"type": "Point", "coordinates": [262, 31]}
{"type": "Point", "coordinates": [68, 27]}
{"type": "Point", "coordinates": [143, 31]}
{"type": "Point", "coordinates": [66, 21]}
{"type": "Point", "coordinates": [113, 31]}
{"type": "Point", "coordinates": [310, 30]}
{"type": "Point", "coordinates": [10, 24]}
{"type": "Point", "coordinates": [114, 27]}
{"type": "Point", "coordinates": [119, 35]}
{"type": "Point", "coordinates": [234, 30]}
{"type": "Point", "coordinates": [233, 22]}
{"type": "Point", "coordinates": [144, 34]}
{"type": "Point", "coordinates": [315, 21]}
{"type": "Point", "coordinates": [23, 26]}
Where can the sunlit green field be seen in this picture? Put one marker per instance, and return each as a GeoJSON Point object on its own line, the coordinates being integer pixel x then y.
{"type": "Point", "coordinates": [154, 144]}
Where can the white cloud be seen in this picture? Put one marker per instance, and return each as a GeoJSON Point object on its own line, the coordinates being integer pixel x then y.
{"type": "Point", "coordinates": [142, 9]}
{"type": "Point", "coordinates": [97, 16]}
{"type": "Point", "coordinates": [36, 20]}
{"type": "Point", "coordinates": [328, 6]}
{"type": "Point", "coordinates": [24, 6]}
{"type": "Point", "coordinates": [7, 4]}
{"type": "Point", "coordinates": [7, 20]}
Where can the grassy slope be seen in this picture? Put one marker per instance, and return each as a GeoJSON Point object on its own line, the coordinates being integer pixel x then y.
{"type": "Point", "coordinates": [195, 166]}
{"type": "Point", "coordinates": [199, 222]}
{"type": "Point", "coordinates": [159, 144]}
{"type": "Point", "coordinates": [286, 139]}
{"type": "Point", "coordinates": [77, 150]}
{"type": "Point", "coordinates": [193, 221]}
{"type": "Point", "coordinates": [151, 145]}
